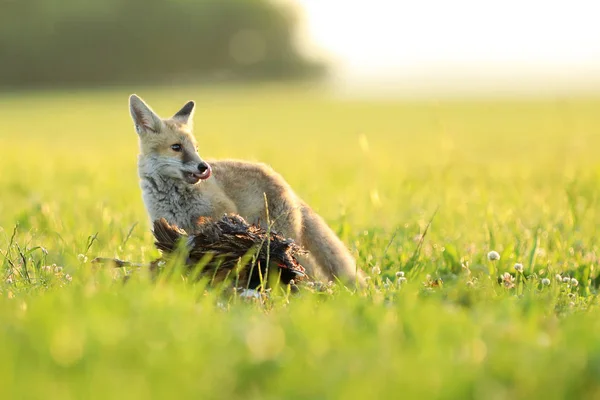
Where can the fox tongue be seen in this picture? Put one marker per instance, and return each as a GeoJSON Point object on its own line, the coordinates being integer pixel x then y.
{"type": "Point", "coordinates": [206, 174]}
{"type": "Point", "coordinates": [196, 176]}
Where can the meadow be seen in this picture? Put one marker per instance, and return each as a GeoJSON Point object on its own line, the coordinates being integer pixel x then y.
{"type": "Point", "coordinates": [439, 319]}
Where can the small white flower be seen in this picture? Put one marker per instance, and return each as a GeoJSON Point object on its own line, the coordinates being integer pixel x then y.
{"type": "Point", "coordinates": [519, 267]}
{"type": "Point", "coordinates": [292, 282]}
{"type": "Point", "coordinates": [401, 280]}
{"type": "Point", "coordinates": [82, 258]}
{"type": "Point", "coordinates": [58, 270]}
{"type": "Point", "coordinates": [493, 256]}
{"type": "Point", "coordinates": [558, 277]}
{"type": "Point", "coordinates": [508, 280]}
{"type": "Point", "coordinates": [310, 284]}
{"type": "Point", "coordinates": [375, 270]}
{"type": "Point", "coordinates": [546, 282]}
{"type": "Point", "coordinates": [399, 274]}
{"type": "Point", "coordinates": [9, 281]}
{"type": "Point", "coordinates": [68, 277]}
{"type": "Point", "coordinates": [47, 268]}
{"type": "Point", "coordinates": [574, 282]}
{"type": "Point", "coordinates": [566, 279]}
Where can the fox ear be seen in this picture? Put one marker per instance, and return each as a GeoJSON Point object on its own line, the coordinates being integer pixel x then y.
{"type": "Point", "coordinates": [186, 114]}
{"type": "Point", "coordinates": [144, 118]}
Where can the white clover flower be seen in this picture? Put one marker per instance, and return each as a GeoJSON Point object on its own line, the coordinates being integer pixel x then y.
{"type": "Point", "coordinates": [546, 282]}
{"type": "Point", "coordinates": [82, 258]}
{"type": "Point", "coordinates": [558, 277]}
{"type": "Point", "coordinates": [508, 280]}
{"type": "Point", "coordinates": [399, 274]}
{"type": "Point", "coordinates": [519, 267]}
{"type": "Point", "coordinates": [493, 256]}
{"type": "Point", "coordinates": [566, 279]}
{"type": "Point", "coordinates": [574, 282]}
{"type": "Point", "coordinates": [68, 277]}
{"type": "Point", "coordinates": [401, 280]}
{"type": "Point", "coordinates": [58, 270]}
{"type": "Point", "coordinates": [375, 270]}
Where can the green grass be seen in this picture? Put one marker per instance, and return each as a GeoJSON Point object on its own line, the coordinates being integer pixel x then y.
{"type": "Point", "coordinates": [518, 177]}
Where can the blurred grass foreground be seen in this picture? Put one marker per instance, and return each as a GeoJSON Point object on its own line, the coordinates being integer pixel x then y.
{"type": "Point", "coordinates": [89, 42]}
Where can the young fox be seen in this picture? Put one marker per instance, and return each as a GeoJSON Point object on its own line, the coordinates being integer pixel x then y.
{"type": "Point", "coordinates": [179, 186]}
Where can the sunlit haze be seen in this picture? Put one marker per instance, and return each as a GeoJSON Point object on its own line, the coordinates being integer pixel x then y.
{"type": "Point", "coordinates": [437, 44]}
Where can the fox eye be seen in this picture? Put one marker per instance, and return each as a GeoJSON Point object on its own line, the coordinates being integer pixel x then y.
{"type": "Point", "coordinates": [176, 147]}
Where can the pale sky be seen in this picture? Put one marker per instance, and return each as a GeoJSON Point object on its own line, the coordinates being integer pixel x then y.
{"type": "Point", "coordinates": [557, 42]}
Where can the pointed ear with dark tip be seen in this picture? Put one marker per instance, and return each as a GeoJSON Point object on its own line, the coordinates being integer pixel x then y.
{"type": "Point", "coordinates": [186, 114]}
{"type": "Point", "coordinates": [144, 118]}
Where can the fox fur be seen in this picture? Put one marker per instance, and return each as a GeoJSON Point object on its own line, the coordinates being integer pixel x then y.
{"type": "Point", "coordinates": [179, 186]}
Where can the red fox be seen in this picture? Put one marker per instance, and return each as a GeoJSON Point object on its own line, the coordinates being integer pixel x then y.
{"type": "Point", "coordinates": [180, 186]}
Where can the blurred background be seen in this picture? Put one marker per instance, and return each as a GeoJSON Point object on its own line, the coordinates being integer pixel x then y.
{"type": "Point", "coordinates": [97, 43]}
{"type": "Point", "coordinates": [375, 47]}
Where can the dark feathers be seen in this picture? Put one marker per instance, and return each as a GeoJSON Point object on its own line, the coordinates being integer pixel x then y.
{"type": "Point", "coordinates": [235, 249]}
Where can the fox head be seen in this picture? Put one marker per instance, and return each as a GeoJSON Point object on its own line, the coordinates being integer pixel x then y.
{"type": "Point", "coordinates": [169, 143]}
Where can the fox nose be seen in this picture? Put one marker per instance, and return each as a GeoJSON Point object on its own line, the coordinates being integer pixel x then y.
{"type": "Point", "coordinates": [202, 167]}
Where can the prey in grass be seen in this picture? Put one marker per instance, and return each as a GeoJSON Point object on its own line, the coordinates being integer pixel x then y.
{"type": "Point", "coordinates": [227, 249]}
